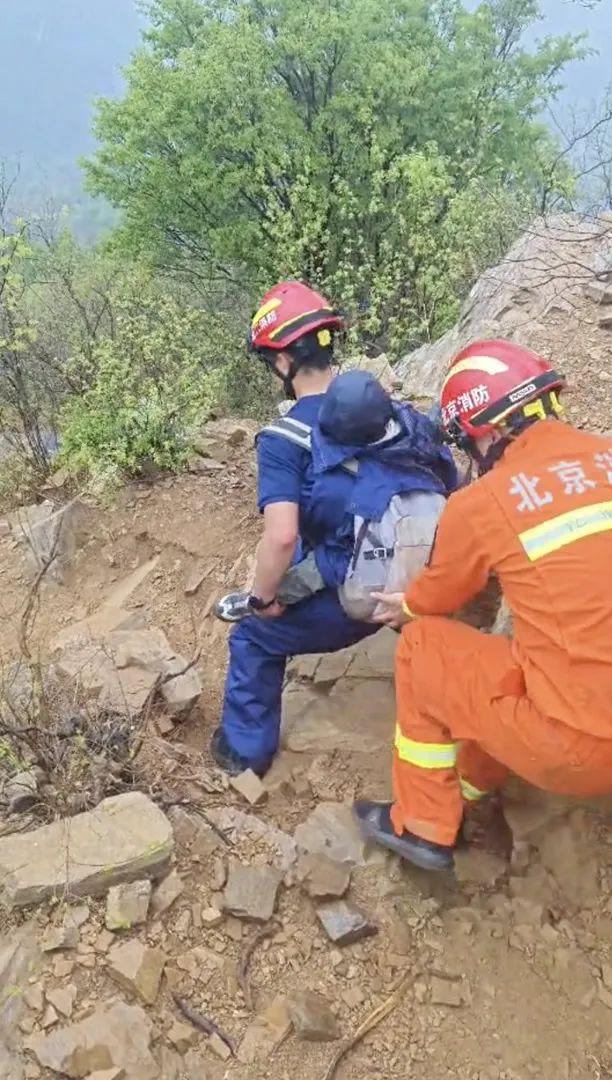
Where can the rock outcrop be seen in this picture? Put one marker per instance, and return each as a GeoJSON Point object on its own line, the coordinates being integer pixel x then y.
{"type": "Point", "coordinates": [125, 838]}
{"type": "Point", "coordinates": [49, 535]}
{"type": "Point", "coordinates": [114, 1035]}
{"type": "Point", "coordinates": [535, 296]}
{"type": "Point", "coordinates": [124, 666]}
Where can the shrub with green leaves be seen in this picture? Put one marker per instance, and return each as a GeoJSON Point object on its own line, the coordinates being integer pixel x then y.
{"type": "Point", "coordinates": [152, 383]}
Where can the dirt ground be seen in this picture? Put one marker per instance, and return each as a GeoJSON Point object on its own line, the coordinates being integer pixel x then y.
{"type": "Point", "coordinates": [508, 971]}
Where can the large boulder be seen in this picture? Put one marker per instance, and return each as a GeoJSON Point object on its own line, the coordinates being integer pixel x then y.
{"type": "Point", "coordinates": [125, 665]}
{"type": "Point", "coordinates": [49, 535]}
{"type": "Point", "coordinates": [535, 296]}
{"type": "Point", "coordinates": [125, 838]}
{"type": "Point", "coordinates": [357, 715]}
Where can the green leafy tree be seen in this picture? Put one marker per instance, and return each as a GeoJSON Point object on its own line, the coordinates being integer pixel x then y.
{"type": "Point", "coordinates": [387, 150]}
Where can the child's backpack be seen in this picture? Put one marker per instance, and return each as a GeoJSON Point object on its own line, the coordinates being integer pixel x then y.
{"type": "Point", "coordinates": [387, 554]}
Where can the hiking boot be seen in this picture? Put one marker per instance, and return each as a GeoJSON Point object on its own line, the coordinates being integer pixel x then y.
{"type": "Point", "coordinates": [226, 758]}
{"type": "Point", "coordinates": [233, 607]}
{"type": "Point", "coordinates": [375, 823]}
{"type": "Point", "coordinates": [231, 762]}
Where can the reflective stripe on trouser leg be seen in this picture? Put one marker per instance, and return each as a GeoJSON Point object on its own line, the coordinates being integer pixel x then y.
{"type": "Point", "coordinates": [425, 755]}
{"type": "Point", "coordinates": [469, 792]}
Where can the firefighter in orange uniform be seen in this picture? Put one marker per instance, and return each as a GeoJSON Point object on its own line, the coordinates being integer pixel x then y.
{"type": "Point", "coordinates": [471, 706]}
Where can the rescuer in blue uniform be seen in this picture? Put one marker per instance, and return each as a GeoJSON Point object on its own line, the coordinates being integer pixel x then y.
{"type": "Point", "coordinates": [307, 504]}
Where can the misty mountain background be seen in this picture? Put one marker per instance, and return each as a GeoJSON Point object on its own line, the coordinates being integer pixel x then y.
{"type": "Point", "coordinates": [60, 55]}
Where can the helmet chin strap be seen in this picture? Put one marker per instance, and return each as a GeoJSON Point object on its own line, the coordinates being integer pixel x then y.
{"type": "Point", "coordinates": [485, 462]}
{"type": "Point", "coordinates": [287, 380]}
{"type": "Point", "coordinates": [514, 427]}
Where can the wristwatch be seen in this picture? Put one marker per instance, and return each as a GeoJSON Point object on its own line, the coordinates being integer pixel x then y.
{"type": "Point", "coordinates": [257, 604]}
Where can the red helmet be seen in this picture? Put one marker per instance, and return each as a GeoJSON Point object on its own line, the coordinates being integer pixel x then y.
{"type": "Point", "coordinates": [289, 311]}
{"type": "Point", "coordinates": [490, 380]}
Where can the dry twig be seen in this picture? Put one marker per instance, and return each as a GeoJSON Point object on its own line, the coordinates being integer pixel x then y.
{"type": "Point", "coordinates": [243, 967]}
{"type": "Point", "coordinates": [209, 1027]}
{"type": "Point", "coordinates": [166, 801]}
{"type": "Point", "coordinates": [370, 1022]}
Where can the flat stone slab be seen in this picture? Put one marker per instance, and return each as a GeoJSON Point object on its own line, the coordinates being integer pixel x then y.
{"type": "Point", "coordinates": [331, 830]}
{"type": "Point", "coordinates": [343, 923]}
{"type": "Point", "coordinates": [115, 1036]}
{"type": "Point", "coordinates": [250, 787]}
{"type": "Point", "coordinates": [251, 891]}
{"type": "Point", "coordinates": [312, 1017]}
{"type": "Point", "coordinates": [137, 968]}
{"type": "Point", "coordinates": [241, 825]}
{"type": "Point", "coordinates": [357, 715]}
{"type": "Point", "coordinates": [125, 838]}
{"type": "Point", "coordinates": [127, 905]}
{"type": "Point", "coordinates": [446, 993]}
{"type": "Point", "coordinates": [166, 893]}
{"type": "Point", "coordinates": [267, 1031]}
{"type": "Point", "coordinates": [371, 658]}
{"type": "Point", "coordinates": [322, 878]}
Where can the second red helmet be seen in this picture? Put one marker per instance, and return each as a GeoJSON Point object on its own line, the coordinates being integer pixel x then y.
{"type": "Point", "coordinates": [490, 380]}
{"type": "Point", "coordinates": [288, 312]}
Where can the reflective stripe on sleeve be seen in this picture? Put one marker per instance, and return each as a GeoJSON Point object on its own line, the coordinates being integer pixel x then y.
{"type": "Point", "coordinates": [425, 755]}
{"type": "Point", "coordinates": [566, 529]}
{"type": "Point", "coordinates": [469, 792]}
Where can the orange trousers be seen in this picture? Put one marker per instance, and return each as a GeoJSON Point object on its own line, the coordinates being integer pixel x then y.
{"type": "Point", "coordinates": [464, 720]}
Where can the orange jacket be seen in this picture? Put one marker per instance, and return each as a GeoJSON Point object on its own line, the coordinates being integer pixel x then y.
{"type": "Point", "coordinates": [542, 521]}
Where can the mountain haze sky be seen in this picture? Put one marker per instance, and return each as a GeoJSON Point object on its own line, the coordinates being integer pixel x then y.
{"type": "Point", "coordinates": [59, 55]}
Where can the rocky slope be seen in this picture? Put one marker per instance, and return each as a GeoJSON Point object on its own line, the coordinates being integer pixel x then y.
{"type": "Point", "coordinates": [196, 929]}
{"type": "Point", "coordinates": [553, 293]}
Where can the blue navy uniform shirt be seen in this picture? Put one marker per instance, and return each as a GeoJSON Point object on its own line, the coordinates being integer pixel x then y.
{"type": "Point", "coordinates": [286, 474]}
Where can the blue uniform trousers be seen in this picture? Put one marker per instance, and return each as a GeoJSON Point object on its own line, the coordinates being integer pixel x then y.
{"type": "Point", "coordinates": [259, 649]}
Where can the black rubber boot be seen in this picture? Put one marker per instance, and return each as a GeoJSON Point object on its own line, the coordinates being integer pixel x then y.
{"type": "Point", "coordinates": [231, 762]}
{"type": "Point", "coordinates": [226, 758]}
{"type": "Point", "coordinates": [233, 607]}
{"type": "Point", "coordinates": [375, 822]}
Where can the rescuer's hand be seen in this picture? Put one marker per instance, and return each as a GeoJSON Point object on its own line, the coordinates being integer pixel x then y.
{"type": "Point", "coordinates": [391, 610]}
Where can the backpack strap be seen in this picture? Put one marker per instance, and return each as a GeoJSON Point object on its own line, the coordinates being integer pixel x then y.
{"type": "Point", "coordinates": [300, 434]}
{"type": "Point", "coordinates": [376, 551]}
